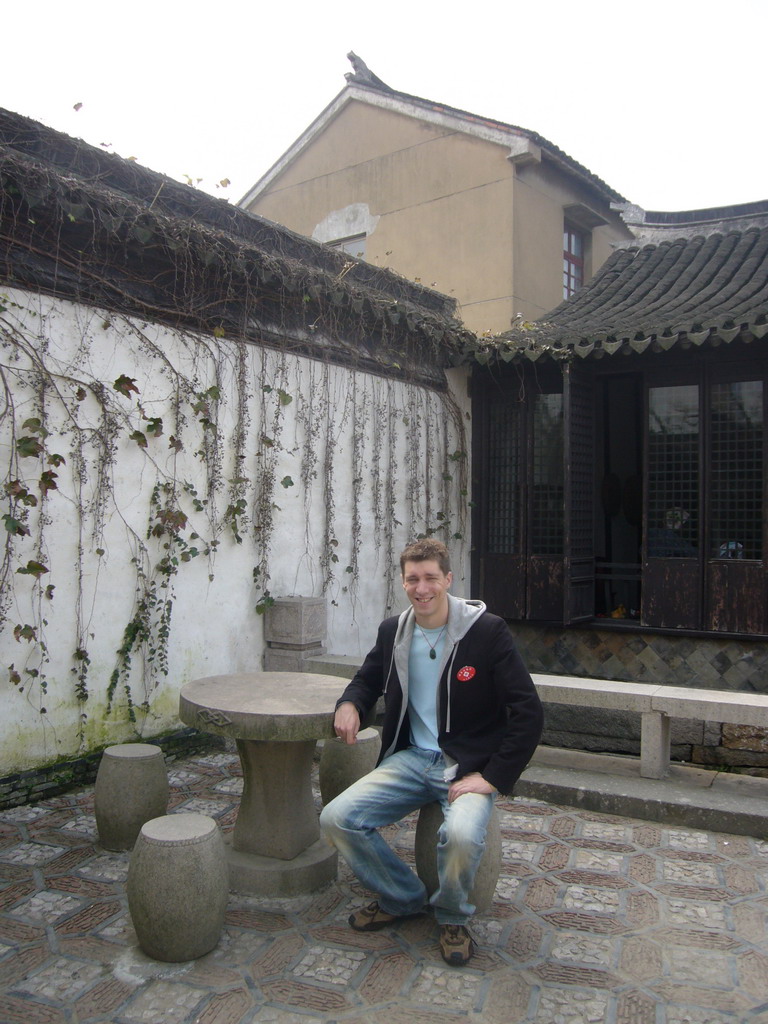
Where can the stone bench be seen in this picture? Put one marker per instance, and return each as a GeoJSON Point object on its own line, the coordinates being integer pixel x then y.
{"type": "Point", "coordinates": [131, 788]}
{"type": "Point", "coordinates": [178, 886]}
{"type": "Point", "coordinates": [656, 705]}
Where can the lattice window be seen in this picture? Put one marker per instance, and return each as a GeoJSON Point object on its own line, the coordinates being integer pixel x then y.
{"type": "Point", "coordinates": [673, 472]}
{"type": "Point", "coordinates": [736, 482]}
{"type": "Point", "coordinates": [503, 467]}
{"type": "Point", "coordinates": [573, 260]}
{"type": "Point", "coordinates": [547, 484]}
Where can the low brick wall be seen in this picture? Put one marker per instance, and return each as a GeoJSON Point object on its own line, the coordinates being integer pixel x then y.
{"type": "Point", "coordinates": [52, 780]}
{"type": "Point", "coordinates": [636, 657]}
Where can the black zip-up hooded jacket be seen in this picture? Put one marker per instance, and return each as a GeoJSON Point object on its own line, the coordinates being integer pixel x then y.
{"type": "Point", "coordinates": [488, 712]}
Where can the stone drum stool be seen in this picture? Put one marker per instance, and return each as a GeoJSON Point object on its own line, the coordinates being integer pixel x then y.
{"type": "Point", "coordinates": [178, 886]}
{"type": "Point", "coordinates": [131, 788]}
{"type": "Point", "coordinates": [430, 820]}
{"type": "Point", "coordinates": [341, 764]}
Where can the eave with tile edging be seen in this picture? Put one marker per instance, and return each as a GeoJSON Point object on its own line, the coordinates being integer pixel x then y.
{"type": "Point", "coordinates": [690, 292]}
{"type": "Point", "coordinates": [79, 223]}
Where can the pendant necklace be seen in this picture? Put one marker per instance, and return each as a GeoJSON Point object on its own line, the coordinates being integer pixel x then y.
{"type": "Point", "coordinates": [432, 651]}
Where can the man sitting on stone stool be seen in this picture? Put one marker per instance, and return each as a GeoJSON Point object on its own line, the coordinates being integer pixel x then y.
{"type": "Point", "coordinates": [462, 719]}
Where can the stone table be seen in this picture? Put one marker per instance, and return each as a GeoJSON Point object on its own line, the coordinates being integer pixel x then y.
{"type": "Point", "coordinates": [276, 719]}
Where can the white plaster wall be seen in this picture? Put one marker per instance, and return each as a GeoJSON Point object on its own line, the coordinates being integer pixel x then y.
{"type": "Point", "coordinates": [214, 626]}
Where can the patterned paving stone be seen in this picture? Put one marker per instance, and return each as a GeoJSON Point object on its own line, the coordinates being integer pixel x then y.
{"type": "Point", "coordinates": [332, 966]}
{"type": "Point", "coordinates": [15, 893]}
{"type": "Point", "coordinates": [387, 977]}
{"type": "Point", "coordinates": [227, 1008]}
{"type": "Point", "coordinates": [256, 920]}
{"type": "Point", "coordinates": [82, 824]}
{"type": "Point", "coordinates": [309, 997]}
{"type": "Point", "coordinates": [22, 1011]}
{"type": "Point", "coordinates": [239, 947]}
{"type": "Point", "coordinates": [19, 815]}
{"type": "Point", "coordinates": [164, 1001]}
{"type": "Point", "coordinates": [640, 959]}
{"type": "Point", "coordinates": [569, 1006]}
{"type": "Point", "coordinates": [594, 918]}
{"type": "Point", "coordinates": [90, 917]}
{"type": "Point", "coordinates": [508, 999]}
{"type": "Point", "coordinates": [699, 913]}
{"type": "Point", "coordinates": [579, 948]}
{"type": "Point", "coordinates": [102, 1000]}
{"type": "Point", "coordinates": [82, 887]}
{"type": "Point", "coordinates": [45, 907]}
{"type": "Point", "coordinates": [212, 808]}
{"type": "Point", "coordinates": [541, 894]}
{"type": "Point", "coordinates": [635, 1008]}
{"type": "Point", "coordinates": [682, 998]}
{"type": "Point", "coordinates": [15, 968]}
{"type": "Point", "coordinates": [706, 968]}
{"type": "Point", "coordinates": [447, 987]}
{"type": "Point", "coordinates": [32, 854]}
{"type": "Point", "coordinates": [690, 871]}
{"type": "Point", "coordinates": [233, 787]}
{"type": "Point", "coordinates": [60, 980]}
{"type": "Point", "coordinates": [525, 941]}
{"type": "Point", "coordinates": [590, 898]}
{"type": "Point", "coordinates": [583, 977]}
{"type": "Point", "coordinates": [753, 974]}
{"type": "Point", "coordinates": [179, 778]}
{"type": "Point", "coordinates": [15, 933]}
{"type": "Point", "coordinates": [106, 868]}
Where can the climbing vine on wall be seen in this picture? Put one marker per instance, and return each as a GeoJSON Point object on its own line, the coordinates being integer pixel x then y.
{"type": "Point", "coordinates": [133, 452]}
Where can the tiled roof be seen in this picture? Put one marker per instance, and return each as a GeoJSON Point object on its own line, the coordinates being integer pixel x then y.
{"type": "Point", "coordinates": [80, 223]}
{"type": "Point", "coordinates": [688, 290]}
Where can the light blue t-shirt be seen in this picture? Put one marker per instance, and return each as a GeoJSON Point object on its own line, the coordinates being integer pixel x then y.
{"type": "Point", "coordinates": [423, 677]}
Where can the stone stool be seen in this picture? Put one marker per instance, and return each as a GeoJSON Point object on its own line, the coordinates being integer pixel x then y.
{"type": "Point", "coordinates": [131, 788]}
{"type": "Point", "coordinates": [341, 764]}
{"type": "Point", "coordinates": [178, 884]}
{"type": "Point", "coordinates": [430, 820]}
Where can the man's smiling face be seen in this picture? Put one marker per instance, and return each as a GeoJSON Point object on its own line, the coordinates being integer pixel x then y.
{"type": "Point", "coordinates": [427, 586]}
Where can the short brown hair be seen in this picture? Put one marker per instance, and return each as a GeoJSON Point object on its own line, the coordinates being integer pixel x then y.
{"type": "Point", "coordinates": [426, 550]}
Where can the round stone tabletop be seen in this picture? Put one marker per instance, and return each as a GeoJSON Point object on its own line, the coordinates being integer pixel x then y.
{"type": "Point", "coordinates": [289, 706]}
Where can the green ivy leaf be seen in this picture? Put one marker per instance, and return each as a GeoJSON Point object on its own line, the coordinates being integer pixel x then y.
{"type": "Point", "coordinates": [56, 460]}
{"type": "Point", "coordinates": [35, 425]}
{"type": "Point", "coordinates": [32, 568]}
{"type": "Point", "coordinates": [48, 481]}
{"type": "Point", "coordinates": [287, 481]}
{"type": "Point", "coordinates": [139, 438]}
{"type": "Point", "coordinates": [25, 632]}
{"type": "Point", "coordinates": [28, 447]}
{"type": "Point", "coordinates": [125, 385]}
{"type": "Point", "coordinates": [285, 398]}
{"type": "Point", "coordinates": [14, 526]}
{"type": "Point", "coordinates": [155, 426]}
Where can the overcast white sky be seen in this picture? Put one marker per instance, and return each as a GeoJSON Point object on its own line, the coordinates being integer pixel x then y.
{"type": "Point", "coordinates": [664, 100]}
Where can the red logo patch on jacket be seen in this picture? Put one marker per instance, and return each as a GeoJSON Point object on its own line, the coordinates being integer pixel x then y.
{"type": "Point", "coordinates": [465, 674]}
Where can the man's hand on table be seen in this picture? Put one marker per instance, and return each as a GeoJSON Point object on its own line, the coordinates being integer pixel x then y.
{"type": "Point", "coordinates": [346, 723]}
{"type": "Point", "coordinates": [473, 783]}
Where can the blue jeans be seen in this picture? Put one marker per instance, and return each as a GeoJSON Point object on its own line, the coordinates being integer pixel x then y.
{"type": "Point", "coordinates": [403, 782]}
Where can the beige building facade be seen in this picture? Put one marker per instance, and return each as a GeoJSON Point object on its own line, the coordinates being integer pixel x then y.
{"type": "Point", "coordinates": [475, 208]}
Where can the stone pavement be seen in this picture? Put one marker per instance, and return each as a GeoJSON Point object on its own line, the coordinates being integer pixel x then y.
{"type": "Point", "coordinates": [596, 919]}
